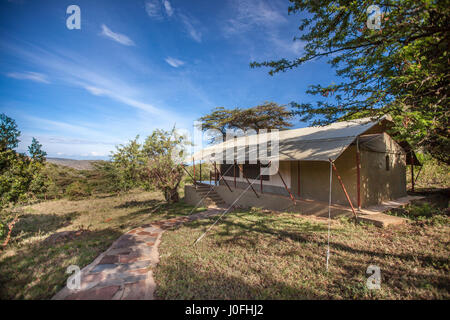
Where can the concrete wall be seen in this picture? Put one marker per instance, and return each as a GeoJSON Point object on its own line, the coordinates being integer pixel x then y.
{"type": "Point", "coordinates": [249, 199]}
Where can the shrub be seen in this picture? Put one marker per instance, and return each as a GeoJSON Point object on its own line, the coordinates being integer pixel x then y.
{"type": "Point", "coordinates": [78, 189]}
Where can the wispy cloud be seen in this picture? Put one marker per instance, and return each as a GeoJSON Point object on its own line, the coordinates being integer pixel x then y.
{"type": "Point", "coordinates": [188, 23]}
{"type": "Point", "coordinates": [250, 14]}
{"type": "Point", "coordinates": [174, 62]}
{"type": "Point", "coordinates": [153, 9]}
{"type": "Point", "coordinates": [158, 9]}
{"type": "Point", "coordinates": [168, 8]}
{"type": "Point", "coordinates": [269, 19]}
{"type": "Point", "coordinates": [33, 76]}
{"type": "Point", "coordinates": [120, 38]}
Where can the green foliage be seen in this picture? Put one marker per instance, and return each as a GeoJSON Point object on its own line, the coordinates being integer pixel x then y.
{"type": "Point", "coordinates": [432, 175]}
{"type": "Point", "coordinates": [268, 116]}
{"type": "Point", "coordinates": [164, 152]}
{"type": "Point", "coordinates": [127, 163]}
{"type": "Point", "coordinates": [36, 152]}
{"type": "Point", "coordinates": [78, 189]}
{"type": "Point", "coordinates": [9, 134]}
{"type": "Point", "coordinates": [402, 69]}
{"type": "Point", "coordinates": [155, 164]}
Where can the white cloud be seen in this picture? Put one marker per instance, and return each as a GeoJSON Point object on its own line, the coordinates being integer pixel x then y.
{"type": "Point", "coordinates": [153, 9]}
{"type": "Point", "coordinates": [174, 62]}
{"type": "Point", "coordinates": [121, 38]}
{"type": "Point", "coordinates": [33, 76]}
{"type": "Point", "coordinates": [168, 8]}
{"type": "Point", "coordinates": [156, 8]}
{"type": "Point", "coordinates": [250, 14]}
{"type": "Point", "coordinates": [191, 30]}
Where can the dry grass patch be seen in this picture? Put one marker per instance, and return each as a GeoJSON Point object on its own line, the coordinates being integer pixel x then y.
{"type": "Point", "coordinates": [52, 235]}
{"type": "Point", "coordinates": [255, 255]}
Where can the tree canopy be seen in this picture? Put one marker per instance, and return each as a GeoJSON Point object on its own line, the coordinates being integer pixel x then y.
{"type": "Point", "coordinates": [400, 68]}
{"type": "Point", "coordinates": [153, 164]}
{"type": "Point", "coordinates": [268, 115]}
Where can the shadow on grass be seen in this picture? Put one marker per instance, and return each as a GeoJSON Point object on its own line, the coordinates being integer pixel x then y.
{"type": "Point", "coordinates": [298, 230]}
{"type": "Point", "coordinates": [30, 225]}
{"type": "Point", "coordinates": [38, 271]}
{"type": "Point", "coordinates": [403, 274]}
{"type": "Point", "coordinates": [181, 279]}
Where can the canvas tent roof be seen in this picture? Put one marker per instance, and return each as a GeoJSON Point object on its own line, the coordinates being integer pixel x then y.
{"type": "Point", "coordinates": [307, 144]}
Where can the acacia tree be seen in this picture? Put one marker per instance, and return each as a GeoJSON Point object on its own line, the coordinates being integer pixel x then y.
{"type": "Point", "coordinates": [401, 67]}
{"type": "Point", "coordinates": [269, 115]}
{"type": "Point", "coordinates": [164, 151]}
{"type": "Point", "coordinates": [126, 165]}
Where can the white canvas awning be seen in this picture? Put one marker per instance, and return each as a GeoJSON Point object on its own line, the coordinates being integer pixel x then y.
{"type": "Point", "coordinates": [306, 144]}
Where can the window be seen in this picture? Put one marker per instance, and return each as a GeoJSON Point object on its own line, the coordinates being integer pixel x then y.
{"type": "Point", "coordinates": [251, 171]}
{"type": "Point", "coordinates": [227, 170]}
{"type": "Point", "coordinates": [388, 163]}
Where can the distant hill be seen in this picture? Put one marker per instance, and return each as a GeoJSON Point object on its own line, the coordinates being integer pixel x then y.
{"type": "Point", "coordinates": [75, 164]}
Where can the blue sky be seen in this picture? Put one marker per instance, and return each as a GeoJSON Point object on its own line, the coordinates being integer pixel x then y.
{"type": "Point", "coordinates": [139, 65]}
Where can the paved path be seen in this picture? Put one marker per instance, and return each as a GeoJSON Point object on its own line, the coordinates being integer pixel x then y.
{"type": "Point", "coordinates": [125, 270]}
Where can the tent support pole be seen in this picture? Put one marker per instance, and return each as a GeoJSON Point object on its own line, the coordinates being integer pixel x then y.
{"type": "Point", "coordinates": [234, 173]}
{"type": "Point", "coordinates": [343, 188]}
{"type": "Point", "coordinates": [193, 166]}
{"type": "Point", "coordinates": [200, 171]}
{"type": "Point", "coordinates": [298, 179]}
{"type": "Point", "coordinates": [242, 170]}
{"type": "Point", "coordinates": [412, 172]}
{"type": "Point", "coordinates": [187, 172]}
{"type": "Point", "coordinates": [358, 173]}
{"type": "Point", "coordinates": [286, 187]}
{"type": "Point", "coordinates": [215, 174]}
{"type": "Point", "coordinates": [260, 178]}
{"type": "Point", "coordinates": [221, 177]}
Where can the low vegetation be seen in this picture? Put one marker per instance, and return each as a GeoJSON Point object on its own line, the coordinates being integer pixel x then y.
{"type": "Point", "coordinates": [52, 235]}
{"type": "Point", "coordinates": [266, 255]}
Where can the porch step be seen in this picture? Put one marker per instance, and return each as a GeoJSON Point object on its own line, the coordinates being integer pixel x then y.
{"type": "Point", "coordinates": [207, 191]}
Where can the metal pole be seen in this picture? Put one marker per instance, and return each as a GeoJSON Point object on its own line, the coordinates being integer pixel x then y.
{"type": "Point", "coordinates": [193, 165]}
{"type": "Point", "coordinates": [234, 173]}
{"type": "Point", "coordinates": [260, 178]}
{"type": "Point", "coordinates": [200, 171]}
{"type": "Point", "coordinates": [215, 174]}
{"type": "Point", "coordinates": [343, 188]}
{"type": "Point", "coordinates": [290, 194]}
{"type": "Point", "coordinates": [298, 178]}
{"type": "Point", "coordinates": [358, 174]}
{"type": "Point", "coordinates": [242, 170]}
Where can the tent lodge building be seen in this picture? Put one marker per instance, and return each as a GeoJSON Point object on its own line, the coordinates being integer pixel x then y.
{"type": "Point", "coordinates": [369, 167]}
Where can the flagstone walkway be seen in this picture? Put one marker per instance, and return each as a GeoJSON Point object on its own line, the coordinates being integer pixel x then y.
{"type": "Point", "coordinates": [125, 270]}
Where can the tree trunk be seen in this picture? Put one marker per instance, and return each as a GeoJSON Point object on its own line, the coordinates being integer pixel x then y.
{"type": "Point", "coordinates": [171, 195]}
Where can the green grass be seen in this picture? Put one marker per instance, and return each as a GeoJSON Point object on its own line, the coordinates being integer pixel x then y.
{"type": "Point", "coordinates": [266, 255]}
{"type": "Point", "coordinates": [31, 267]}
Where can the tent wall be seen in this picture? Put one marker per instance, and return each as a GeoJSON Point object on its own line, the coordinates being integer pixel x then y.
{"type": "Point", "coordinates": [315, 177]}
{"type": "Point", "coordinates": [377, 183]}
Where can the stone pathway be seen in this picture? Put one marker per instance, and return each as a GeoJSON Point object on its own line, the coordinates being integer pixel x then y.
{"type": "Point", "coordinates": [125, 270]}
